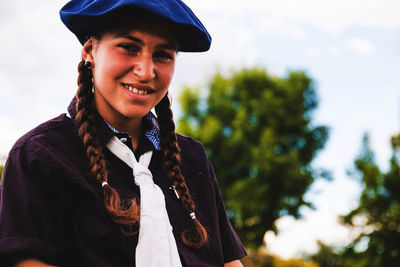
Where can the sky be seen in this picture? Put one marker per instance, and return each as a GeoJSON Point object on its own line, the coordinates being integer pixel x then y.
{"type": "Point", "coordinates": [351, 49]}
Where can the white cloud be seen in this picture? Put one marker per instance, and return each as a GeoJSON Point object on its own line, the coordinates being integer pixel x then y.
{"type": "Point", "coordinates": [281, 27]}
{"type": "Point", "coordinates": [313, 52]}
{"type": "Point", "coordinates": [298, 237]}
{"type": "Point", "coordinates": [360, 46]}
{"type": "Point", "coordinates": [38, 67]}
{"type": "Point", "coordinates": [334, 50]}
{"type": "Point", "coordinates": [286, 16]}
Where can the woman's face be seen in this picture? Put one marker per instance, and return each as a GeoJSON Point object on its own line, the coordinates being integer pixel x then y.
{"type": "Point", "coordinates": [132, 70]}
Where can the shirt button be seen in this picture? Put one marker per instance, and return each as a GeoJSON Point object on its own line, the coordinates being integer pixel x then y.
{"type": "Point", "coordinates": [123, 139]}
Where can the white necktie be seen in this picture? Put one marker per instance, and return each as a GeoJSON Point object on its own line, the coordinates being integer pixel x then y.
{"type": "Point", "coordinates": [156, 245]}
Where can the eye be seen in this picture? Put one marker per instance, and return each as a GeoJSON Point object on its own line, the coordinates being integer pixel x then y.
{"type": "Point", "coordinates": [131, 48]}
{"type": "Point", "coordinates": [163, 55]}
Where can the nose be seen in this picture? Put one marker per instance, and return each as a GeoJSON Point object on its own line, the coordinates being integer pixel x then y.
{"type": "Point", "coordinates": [144, 68]}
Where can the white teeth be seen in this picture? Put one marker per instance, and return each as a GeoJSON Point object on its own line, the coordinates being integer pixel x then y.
{"type": "Point", "coordinates": [135, 90]}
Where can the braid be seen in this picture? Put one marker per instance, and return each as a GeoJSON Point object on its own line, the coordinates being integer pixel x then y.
{"type": "Point", "coordinates": [125, 215]}
{"type": "Point", "coordinates": [196, 236]}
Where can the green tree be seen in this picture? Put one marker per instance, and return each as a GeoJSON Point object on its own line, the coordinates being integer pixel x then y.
{"type": "Point", "coordinates": [379, 206]}
{"type": "Point", "coordinates": [328, 256]}
{"type": "Point", "coordinates": [258, 133]}
{"type": "Point", "coordinates": [262, 259]}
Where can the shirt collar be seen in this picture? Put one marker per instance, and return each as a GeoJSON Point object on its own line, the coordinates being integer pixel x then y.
{"type": "Point", "coordinates": [151, 132]}
{"type": "Point", "coordinates": [106, 131]}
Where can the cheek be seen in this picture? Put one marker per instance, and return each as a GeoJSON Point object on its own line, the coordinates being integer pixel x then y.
{"type": "Point", "coordinates": [113, 69]}
{"type": "Point", "coordinates": [166, 75]}
{"type": "Point", "coordinates": [110, 65]}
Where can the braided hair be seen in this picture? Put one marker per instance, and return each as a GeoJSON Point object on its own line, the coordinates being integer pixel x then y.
{"type": "Point", "coordinates": [127, 215]}
{"type": "Point", "coordinates": [196, 236]}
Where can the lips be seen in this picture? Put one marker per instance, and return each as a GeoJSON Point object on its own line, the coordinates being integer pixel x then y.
{"type": "Point", "coordinates": [139, 89]}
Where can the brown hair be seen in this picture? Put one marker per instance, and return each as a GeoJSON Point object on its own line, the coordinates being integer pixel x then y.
{"type": "Point", "coordinates": [125, 215]}
{"type": "Point", "coordinates": [196, 236]}
{"type": "Point", "coordinates": [128, 215]}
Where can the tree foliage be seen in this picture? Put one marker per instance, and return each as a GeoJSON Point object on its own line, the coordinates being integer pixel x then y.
{"type": "Point", "coordinates": [379, 206]}
{"type": "Point", "coordinates": [328, 256]}
{"type": "Point", "coordinates": [377, 216]}
{"type": "Point", "coordinates": [258, 133]}
{"type": "Point", "coordinates": [262, 259]}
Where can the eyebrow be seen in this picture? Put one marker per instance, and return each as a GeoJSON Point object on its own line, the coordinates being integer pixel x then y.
{"type": "Point", "coordinates": [140, 41]}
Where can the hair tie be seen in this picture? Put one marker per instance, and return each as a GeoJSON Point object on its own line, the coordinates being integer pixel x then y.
{"type": "Point", "coordinates": [192, 215]}
{"type": "Point", "coordinates": [104, 184]}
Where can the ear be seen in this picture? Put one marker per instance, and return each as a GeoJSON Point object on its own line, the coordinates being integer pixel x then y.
{"type": "Point", "coordinates": [87, 51]}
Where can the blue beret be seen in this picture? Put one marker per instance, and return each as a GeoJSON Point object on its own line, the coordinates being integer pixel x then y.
{"type": "Point", "coordinates": [82, 16]}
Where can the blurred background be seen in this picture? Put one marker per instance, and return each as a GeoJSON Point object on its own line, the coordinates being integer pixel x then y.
{"type": "Point", "coordinates": [297, 104]}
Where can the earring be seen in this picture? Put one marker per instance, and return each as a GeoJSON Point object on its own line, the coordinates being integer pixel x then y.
{"type": "Point", "coordinates": [88, 64]}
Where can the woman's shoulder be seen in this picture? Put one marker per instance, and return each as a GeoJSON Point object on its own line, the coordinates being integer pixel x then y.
{"type": "Point", "coordinates": [190, 147]}
{"type": "Point", "coordinates": [53, 131]}
{"type": "Point", "coordinates": [195, 164]}
{"type": "Point", "coordinates": [50, 150]}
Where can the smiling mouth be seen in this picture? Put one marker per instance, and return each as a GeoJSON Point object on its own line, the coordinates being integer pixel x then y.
{"type": "Point", "coordinates": [138, 91]}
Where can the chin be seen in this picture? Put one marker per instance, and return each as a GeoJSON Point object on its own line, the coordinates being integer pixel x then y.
{"type": "Point", "coordinates": [134, 115]}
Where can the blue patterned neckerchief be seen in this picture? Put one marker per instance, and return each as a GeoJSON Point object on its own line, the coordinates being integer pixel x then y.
{"type": "Point", "coordinates": [152, 135]}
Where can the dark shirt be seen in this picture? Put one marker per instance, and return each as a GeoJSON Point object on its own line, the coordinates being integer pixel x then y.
{"type": "Point", "coordinates": [52, 209]}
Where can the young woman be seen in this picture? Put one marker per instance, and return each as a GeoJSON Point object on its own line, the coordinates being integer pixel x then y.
{"type": "Point", "coordinates": [109, 183]}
